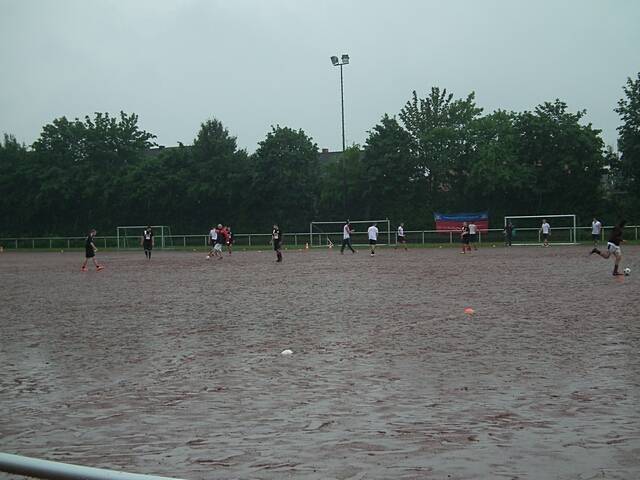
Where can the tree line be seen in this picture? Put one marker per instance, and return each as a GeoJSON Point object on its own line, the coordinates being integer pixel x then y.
{"type": "Point", "coordinates": [438, 153]}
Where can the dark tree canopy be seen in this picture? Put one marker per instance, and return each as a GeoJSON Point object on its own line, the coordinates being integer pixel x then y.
{"type": "Point", "coordinates": [440, 153]}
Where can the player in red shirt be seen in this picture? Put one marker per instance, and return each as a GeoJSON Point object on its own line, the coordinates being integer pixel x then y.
{"type": "Point", "coordinates": [229, 238]}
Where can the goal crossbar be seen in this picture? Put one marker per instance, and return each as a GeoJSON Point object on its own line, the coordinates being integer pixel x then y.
{"type": "Point", "coordinates": [572, 229]}
{"type": "Point", "coordinates": [162, 233]}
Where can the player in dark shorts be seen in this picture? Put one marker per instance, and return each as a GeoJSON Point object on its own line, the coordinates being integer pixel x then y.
{"type": "Point", "coordinates": [276, 239]}
{"type": "Point", "coordinates": [229, 237]}
{"type": "Point", "coordinates": [346, 237]}
{"type": "Point", "coordinates": [90, 251]}
{"type": "Point", "coordinates": [464, 237]}
{"type": "Point", "coordinates": [508, 233]}
{"type": "Point", "coordinates": [473, 235]}
{"type": "Point", "coordinates": [402, 239]}
{"type": "Point", "coordinates": [613, 246]}
{"type": "Point", "coordinates": [147, 242]}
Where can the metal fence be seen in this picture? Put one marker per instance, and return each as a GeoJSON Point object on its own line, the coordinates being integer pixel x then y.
{"type": "Point", "coordinates": [493, 236]}
{"type": "Point", "coordinates": [33, 467]}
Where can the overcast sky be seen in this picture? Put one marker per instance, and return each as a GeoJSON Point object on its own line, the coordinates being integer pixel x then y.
{"type": "Point", "coordinates": [256, 63]}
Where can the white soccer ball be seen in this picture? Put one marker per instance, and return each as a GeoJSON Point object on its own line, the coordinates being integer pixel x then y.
{"type": "Point", "coordinates": [286, 352]}
{"type": "Point", "coordinates": [627, 271]}
{"type": "Point", "coordinates": [208, 257]}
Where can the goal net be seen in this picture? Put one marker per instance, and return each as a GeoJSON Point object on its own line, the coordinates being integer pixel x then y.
{"type": "Point", "coordinates": [329, 234]}
{"type": "Point", "coordinates": [130, 236]}
{"type": "Point", "coordinates": [526, 229]}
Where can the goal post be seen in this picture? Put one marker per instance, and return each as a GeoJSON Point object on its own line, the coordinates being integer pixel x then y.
{"type": "Point", "coordinates": [526, 229]}
{"type": "Point", "coordinates": [328, 234]}
{"type": "Point", "coordinates": [129, 236]}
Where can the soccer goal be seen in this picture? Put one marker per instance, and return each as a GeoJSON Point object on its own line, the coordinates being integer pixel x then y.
{"type": "Point", "coordinates": [526, 229]}
{"type": "Point", "coordinates": [130, 236]}
{"type": "Point", "coordinates": [328, 234]}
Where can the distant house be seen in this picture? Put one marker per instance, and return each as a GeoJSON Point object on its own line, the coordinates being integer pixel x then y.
{"type": "Point", "coordinates": [324, 155]}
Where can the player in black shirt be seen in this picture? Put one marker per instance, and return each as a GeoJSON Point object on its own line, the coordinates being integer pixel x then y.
{"type": "Point", "coordinates": [613, 246]}
{"type": "Point", "coordinates": [464, 237]}
{"type": "Point", "coordinates": [147, 242]}
{"type": "Point", "coordinates": [508, 233]}
{"type": "Point", "coordinates": [276, 239]}
{"type": "Point", "coordinates": [90, 251]}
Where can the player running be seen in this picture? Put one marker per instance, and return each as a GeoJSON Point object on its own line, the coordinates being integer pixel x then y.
{"type": "Point", "coordinates": [613, 246]}
{"type": "Point", "coordinates": [464, 237]}
{"type": "Point", "coordinates": [219, 241]}
{"type": "Point", "coordinates": [347, 230]}
{"type": "Point", "coordinates": [147, 242]}
{"type": "Point", "coordinates": [545, 229]}
{"type": "Point", "coordinates": [276, 239]}
{"type": "Point", "coordinates": [213, 237]}
{"type": "Point", "coordinates": [372, 233]}
{"type": "Point", "coordinates": [596, 228]}
{"type": "Point", "coordinates": [229, 238]}
{"type": "Point", "coordinates": [402, 240]}
{"type": "Point", "coordinates": [90, 250]}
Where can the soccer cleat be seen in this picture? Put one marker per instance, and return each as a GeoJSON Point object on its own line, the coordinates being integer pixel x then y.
{"type": "Point", "coordinates": [99, 267]}
{"type": "Point", "coordinates": [83, 269]}
{"type": "Point", "coordinates": [594, 250]}
{"type": "Point", "coordinates": [617, 274]}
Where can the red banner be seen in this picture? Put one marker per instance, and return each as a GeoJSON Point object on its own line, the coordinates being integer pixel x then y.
{"type": "Point", "coordinates": [447, 223]}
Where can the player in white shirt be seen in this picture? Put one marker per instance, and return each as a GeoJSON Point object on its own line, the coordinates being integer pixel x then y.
{"type": "Point", "coordinates": [545, 229]}
{"type": "Point", "coordinates": [596, 228]}
{"type": "Point", "coordinates": [346, 237]}
{"type": "Point", "coordinates": [473, 235]}
{"type": "Point", "coordinates": [372, 233]}
{"type": "Point", "coordinates": [402, 240]}
{"type": "Point", "coordinates": [213, 236]}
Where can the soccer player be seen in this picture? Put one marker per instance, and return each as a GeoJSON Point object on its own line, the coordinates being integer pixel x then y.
{"type": "Point", "coordinates": [473, 235]}
{"type": "Point", "coordinates": [545, 229]}
{"type": "Point", "coordinates": [90, 250]}
{"type": "Point", "coordinates": [213, 237]}
{"type": "Point", "coordinates": [613, 246]}
{"type": "Point", "coordinates": [346, 237]}
{"type": "Point", "coordinates": [276, 239]}
{"type": "Point", "coordinates": [147, 242]}
{"type": "Point", "coordinates": [508, 233]}
{"type": "Point", "coordinates": [464, 237]}
{"type": "Point", "coordinates": [372, 233]}
{"type": "Point", "coordinates": [229, 236]}
{"type": "Point", "coordinates": [219, 241]}
{"type": "Point", "coordinates": [401, 238]}
{"type": "Point", "coordinates": [596, 228]}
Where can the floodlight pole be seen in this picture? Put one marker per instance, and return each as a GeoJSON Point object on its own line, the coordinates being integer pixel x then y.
{"type": "Point", "coordinates": [342, 106]}
{"type": "Point", "coordinates": [338, 63]}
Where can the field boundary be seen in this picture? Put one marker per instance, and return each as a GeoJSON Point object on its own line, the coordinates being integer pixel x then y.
{"type": "Point", "coordinates": [251, 241]}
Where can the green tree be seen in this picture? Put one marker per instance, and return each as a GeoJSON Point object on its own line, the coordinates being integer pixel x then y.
{"type": "Point", "coordinates": [567, 159]}
{"type": "Point", "coordinates": [343, 183]}
{"type": "Point", "coordinates": [438, 126]}
{"type": "Point", "coordinates": [285, 179]}
{"type": "Point", "coordinates": [80, 166]}
{"type": "Point", "coordinates": [628, 168]}
{"type": "Point", "coordinates": [394, 177]}
{"type": "Point", "coordinates": [16, 184]}
{"type": "Point", "coordinates": [219, 174]}
{"type": "Point", "coordinates": [497, 179]}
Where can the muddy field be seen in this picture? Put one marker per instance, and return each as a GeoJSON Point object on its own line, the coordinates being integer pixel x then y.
{"type": "Point", "coordinates": [174, 367]}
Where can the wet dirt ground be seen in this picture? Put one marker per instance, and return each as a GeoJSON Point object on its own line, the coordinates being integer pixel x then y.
{"type": "Point", "coordinates": [173, 366]}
